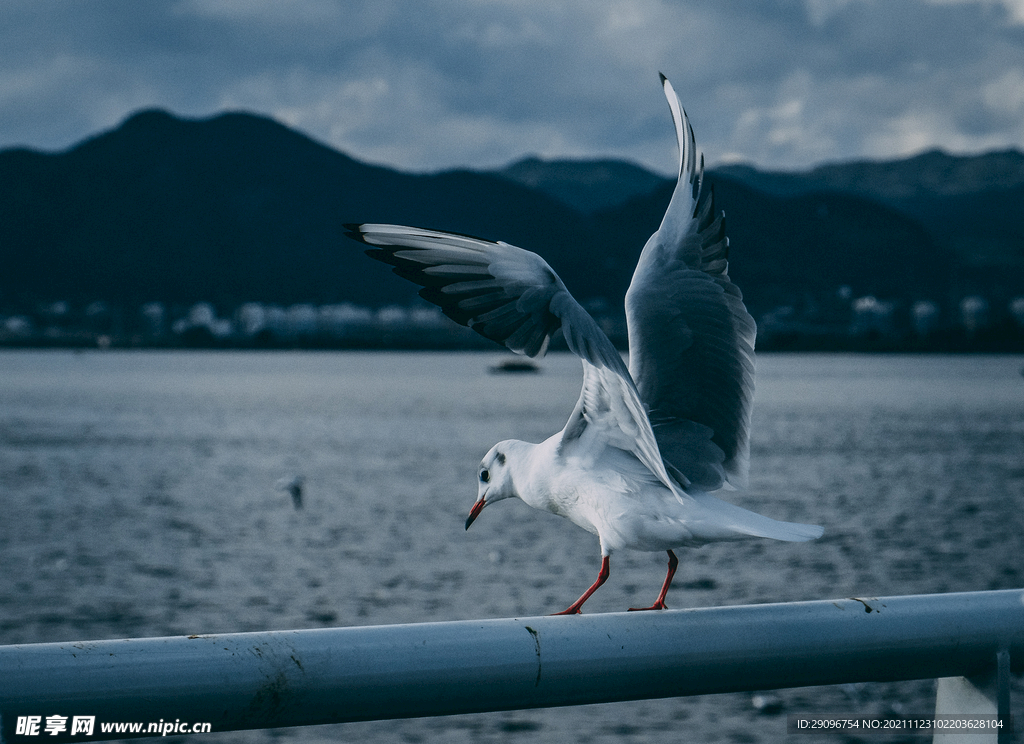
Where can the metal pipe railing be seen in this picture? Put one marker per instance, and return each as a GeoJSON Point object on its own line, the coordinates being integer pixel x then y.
{"type": "Point", "coordinates": [301, 677]}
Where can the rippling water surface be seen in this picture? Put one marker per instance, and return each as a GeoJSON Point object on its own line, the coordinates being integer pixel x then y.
{"type": "Point", "coordinates": [139, 500]}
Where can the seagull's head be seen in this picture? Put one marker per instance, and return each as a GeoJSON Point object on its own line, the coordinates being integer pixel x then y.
{"type": "Point", "coordinates": [494, 480]}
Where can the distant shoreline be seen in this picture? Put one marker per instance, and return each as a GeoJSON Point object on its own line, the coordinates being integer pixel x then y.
{"type": "Point", "coordinates": [986, 343]}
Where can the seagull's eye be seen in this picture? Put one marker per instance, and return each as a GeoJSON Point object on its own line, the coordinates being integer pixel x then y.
{"type": "Point", "coordinates": [484, 476]}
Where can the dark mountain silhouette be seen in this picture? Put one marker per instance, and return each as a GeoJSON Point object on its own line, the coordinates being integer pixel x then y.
{"type": "Point", "coordinates": [235, 208]}
{"type": "Point", "coordinates": [787, 250]}
{"type": "Point", "coordinates": [968, 207]}
{"type": "Point", "coordinates": [932, 173]}
{"type": "Point", "coordinates": [585, 185]}
{"type": "Point", "coordinates": [971, 205]}
{"type": "Point", "coordinates": [238, 208]}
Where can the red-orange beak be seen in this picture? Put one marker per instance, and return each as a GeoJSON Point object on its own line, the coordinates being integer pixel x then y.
{"type": "Point", "coordinates": [475, 512]}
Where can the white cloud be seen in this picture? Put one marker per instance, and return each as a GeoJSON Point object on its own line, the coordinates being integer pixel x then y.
{"type": "Point", "coordinates": [1013, 8]}
{"type": "Point", "coordinates": [429, 84]}
{"type": "Point", "coordinates": [1005, 95]}
{"type": "Point", "coordinates": [905, 135]}
{"type": "Point", "coordinates": [821, 11]}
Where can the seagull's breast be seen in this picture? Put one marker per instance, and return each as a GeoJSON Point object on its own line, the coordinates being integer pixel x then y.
{"type": "Point", "coordinates": [651, 519]}
{"type": "Point", "coordinates": [609, 493]}
{"type": "Point", "coordinates": [620, 501]}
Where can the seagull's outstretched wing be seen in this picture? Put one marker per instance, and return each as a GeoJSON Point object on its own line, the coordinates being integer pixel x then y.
{"type": "Point", "coordinates": [691, 339]}
{"type": "Point", "coordinates": [512, 296]}
{"type": "Point", "coordinates": [504, 293]}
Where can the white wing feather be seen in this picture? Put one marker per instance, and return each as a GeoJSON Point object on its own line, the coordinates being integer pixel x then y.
{"type": "Point", "coordinates": [513, 297]}
{"type": "Point", "coordinates": [683, 405]}
{"type": "Point", "coordinates": [691, 339]}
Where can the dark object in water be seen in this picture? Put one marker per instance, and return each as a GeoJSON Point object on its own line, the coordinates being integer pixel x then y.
{"type": "Point", "coordinates": [514, 365]}
{"type": "Point", "coordinates": [293, 485]}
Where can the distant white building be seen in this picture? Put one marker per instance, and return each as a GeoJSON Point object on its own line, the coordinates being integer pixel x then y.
{"type": "Point", "coordinates": [302, 320]}
{"type": "Point", "coordinates": [427, 317]}
{"type": "Point", "coordinates": [973, 313]}
{"type": "Point", "coordinates": [1017, 310]}
{"type": "Point", "coordinates": [203, 315]}
{"type": "Point", "coordinates": [393, 315]}
{"type": "Point", "coordinates": [872, 315]}
{"type": "Point", "coordinates": [925, 317]}
{"type": "Point", "coordinates": [276, 320]}
{"type": "Point", "coordinates": [250, 319]}
{"type": "Point", "coordinates": [339, 320]}
{"type": "Point", "coordinates": [154, 316]}
{"type": "Point", "coordinates": [18, 326]}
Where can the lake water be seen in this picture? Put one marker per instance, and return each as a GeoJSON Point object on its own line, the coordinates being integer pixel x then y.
{"type": "Point", "coordinates": [139, 500]}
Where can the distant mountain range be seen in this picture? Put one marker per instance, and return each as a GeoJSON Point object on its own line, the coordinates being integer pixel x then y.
{"type": "Point", "coordinates": [240, 208]}
{"type": "Point", "coordinates": [584, 185]}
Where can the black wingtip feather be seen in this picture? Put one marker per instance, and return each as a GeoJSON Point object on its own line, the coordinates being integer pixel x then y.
{"type": "Point", "coordinates": [357, 236]}
{"type": "Point", "coordinates": [377, 254]}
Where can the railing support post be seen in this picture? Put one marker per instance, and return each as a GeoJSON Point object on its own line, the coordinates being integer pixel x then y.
{"type": "Point", "coordinates": [983, 694]}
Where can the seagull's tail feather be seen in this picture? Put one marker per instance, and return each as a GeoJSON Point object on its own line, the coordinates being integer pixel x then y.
{"type": "Point", "coordinates": [789, 531]}
{"type": "Point", "coordinates": [740, 522]}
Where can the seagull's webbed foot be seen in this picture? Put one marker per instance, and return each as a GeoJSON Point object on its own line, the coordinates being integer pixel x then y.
{"type": "Point", "coordinates": [574, 608]}
{"type": "Point", "coordinates": [659, 603]}
{"type": "Point", "coordinates": [656, 606]}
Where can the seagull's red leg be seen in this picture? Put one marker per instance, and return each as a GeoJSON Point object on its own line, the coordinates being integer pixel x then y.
{"type": "Point", "coordinates": [574, 608]}
{"type": "Point", "coordinates": [659, 604]}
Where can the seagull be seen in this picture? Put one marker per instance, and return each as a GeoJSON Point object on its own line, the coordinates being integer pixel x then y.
{"type": "Point", "coordinates": [648, 446]}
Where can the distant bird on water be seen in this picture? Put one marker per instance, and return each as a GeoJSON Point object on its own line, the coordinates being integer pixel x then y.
{"type": "Point", "coordinates": [293, 485]}
{"type": "Point", "coordinates": [645, 447]}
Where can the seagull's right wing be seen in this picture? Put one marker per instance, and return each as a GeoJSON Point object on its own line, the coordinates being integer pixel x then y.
{"type": "Point", "coordinates": [691, 340]}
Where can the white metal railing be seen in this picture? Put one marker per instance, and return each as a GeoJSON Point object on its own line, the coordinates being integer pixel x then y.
{"type": "Point", "coordinates": [301, 677]}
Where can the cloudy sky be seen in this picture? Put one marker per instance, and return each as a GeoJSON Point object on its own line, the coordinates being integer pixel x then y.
{"type": "Point", "coordinates": [432, 84]}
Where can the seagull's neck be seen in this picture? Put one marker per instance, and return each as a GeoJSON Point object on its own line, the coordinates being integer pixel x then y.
{"type": "Point", "coordinates": [531, 468]}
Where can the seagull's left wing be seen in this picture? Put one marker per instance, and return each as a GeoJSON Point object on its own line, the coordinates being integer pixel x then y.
{"type": "Point", "coordinates": [513, 296]}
